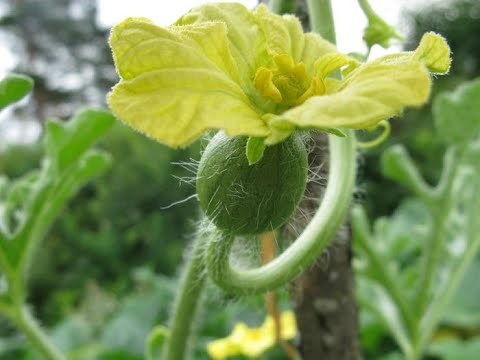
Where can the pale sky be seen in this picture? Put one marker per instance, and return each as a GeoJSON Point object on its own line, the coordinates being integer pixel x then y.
{"type": "Point", "coordinates": [349, 18]}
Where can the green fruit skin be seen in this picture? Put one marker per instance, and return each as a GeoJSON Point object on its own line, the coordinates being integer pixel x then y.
{"type": "Point", "coordinates": [248, 199]}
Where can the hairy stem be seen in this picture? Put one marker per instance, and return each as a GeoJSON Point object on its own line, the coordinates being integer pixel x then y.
{"type": "Point", "coordinates": [187, 301]}
{"type": "Point", "coordinates": [282, 6]}
{"type": "Point", "coordinates": [441, 210]}
{"type": "Point", "coordinates": [29, 326]}
{"type": "Point", "coordinates": [321, 19]}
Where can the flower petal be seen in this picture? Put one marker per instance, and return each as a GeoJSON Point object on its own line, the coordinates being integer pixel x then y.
{"type": "Point", "coordinates": [176, 105]}
{"type": "Point", "coordinates": [222, 349]}
{"type": "Point", "coordinates": [132, 34]}
{"type": "Point", "coordinates": [289, 325]}
{"type": "Point", "coordinates": [371, 93]}
{"type": "Point", "coordinates": [434, 52]}
{"type": "Point", "coordinates": [178, 83]}
{"type": "Point", "coordinates": [247, 43]}
{"type": "Point", "coordinates": [332, 62]}
{"type": "Point", "coordinates": [140, 46]}
{"type": "Point", "coordinates": [283, 34]}
{"type": "Point", "coordinates": [212, 39]}
{"type": "Point", "coordinates": [315, 46]}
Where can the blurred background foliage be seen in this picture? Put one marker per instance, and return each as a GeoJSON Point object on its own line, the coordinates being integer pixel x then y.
{"type": "Point", "coordinates": [459, 22]}
{"type": "Point", "coordinates": [107, 271]}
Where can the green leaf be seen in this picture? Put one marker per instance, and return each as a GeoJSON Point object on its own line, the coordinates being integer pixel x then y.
{"type": "Point", "coordinates": [13, 88]}
{"type": "Point", "coordinates": [397, 165]}
{"type": "Point", "coordinates": [47, 196]}
{"type": "Point", "coordinates": [457, 113]}
{"type": "Point", "coordinates": [3, 186]}
{"type": "Point", "coordinates": [93, 163]}
{"type": "Point", "coordinates": [132, 323]}
{"type": "Point", "coordinates": [66, 142]}
{"type": "Point", "coordinates": [72, 332]}
{"type": "Point", "coordinates": [155, 341]}
{"type": "Point", "coordinates": [255, 148]}
{"type": "Point", "coordinates": [17, 196]}
{"type": "Point", "coordinates": [456, 349]}
{"type": "Point", "coordinates": [392, 356]}
{"type": "Point", "coordinates": [464, 309]}
{"type": "Point", "coordinates": [402, 234]}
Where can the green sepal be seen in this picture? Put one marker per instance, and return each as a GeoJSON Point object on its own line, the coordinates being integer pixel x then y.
{"type": "Point", "coordinates": [334, 131]}
{"type": "Point", "coordinates": [254, 149]}
{"type": "Point", "coordinates": [13, 87]}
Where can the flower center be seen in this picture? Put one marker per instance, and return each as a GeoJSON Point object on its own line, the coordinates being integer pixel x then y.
{"type": "Point", "coordinates": [287, 83]}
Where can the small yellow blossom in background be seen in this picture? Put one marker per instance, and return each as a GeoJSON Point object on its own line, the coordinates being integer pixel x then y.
{"type": "Point", "coordinates": [253, 342]}
{"type": "Point", "coordinates": [254, 73]}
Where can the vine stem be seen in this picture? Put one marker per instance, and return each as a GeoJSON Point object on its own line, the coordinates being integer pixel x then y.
{"type": "Point", "coordinates": [437, 308]}
{"type": "Point", "coordinates": [321, 19]}
{"type": "Point", "coordinates": [367, 9]}
{"type": "Point", "coordinates": [440, 209]}
{"type": "Point", "coordinates": [187, 300]}
{"type": "Point", "coordinates": [309, 245]}
{"type": "Point", "coordinates": [22, 317]}
{"type": "Point", "coordinates": [282, 6]}
{"type": "Point", "coordinates": [384, 276]}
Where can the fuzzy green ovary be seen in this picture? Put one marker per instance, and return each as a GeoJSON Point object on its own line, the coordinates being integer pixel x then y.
{"type": "Point", "coordinates": [287, 83]}
{"type": "Point", "coordinates": [246, 199]}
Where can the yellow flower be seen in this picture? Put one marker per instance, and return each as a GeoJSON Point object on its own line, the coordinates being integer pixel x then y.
{"type": "Point", "coordinates": [288, 325]}
{"type": "Point", "coordinates": [252, 342]}
{"type": "Point", "coordinates": [222, 66]}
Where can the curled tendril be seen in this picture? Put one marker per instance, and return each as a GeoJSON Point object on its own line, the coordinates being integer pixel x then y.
{"type": "Point", "coordinates": [308, 246]}
{"type": "Point", "coordinates": [379, 139]}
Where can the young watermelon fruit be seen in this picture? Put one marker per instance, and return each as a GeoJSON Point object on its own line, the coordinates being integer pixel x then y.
{"type": "Point", "coordinates": [248, 199]}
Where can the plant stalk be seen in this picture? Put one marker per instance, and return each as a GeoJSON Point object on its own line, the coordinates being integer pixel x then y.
{"type": "Point", "coordinates": [282, 6]}
{"type": "Point", "coordinates": [440, 213]}
{"type": "Point", "coordinates": [436, 310]}
{"type": "Point", "coordinates": [321, 19]}
{"type": "Point", "coordinates": [187, 300]}
{"type": "Point", "coordinates": [29, 326]}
